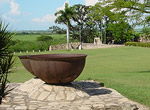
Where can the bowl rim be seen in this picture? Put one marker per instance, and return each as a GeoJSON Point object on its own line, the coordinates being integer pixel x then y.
{"type": "Point", "coordinates": [56, 56]}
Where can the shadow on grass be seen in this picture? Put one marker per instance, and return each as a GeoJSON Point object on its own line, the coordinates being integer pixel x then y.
{"type": "Point", "coordinates": [143, 71]}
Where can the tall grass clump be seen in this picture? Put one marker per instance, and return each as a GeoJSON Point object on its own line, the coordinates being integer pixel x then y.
{"type": "Point", "coordinates": [6, 61]}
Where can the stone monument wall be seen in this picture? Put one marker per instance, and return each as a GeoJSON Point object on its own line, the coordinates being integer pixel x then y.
{"type": "Point", "coordinates": [64, 46]}
{"type": "Point", "coordinates": [84, 46]}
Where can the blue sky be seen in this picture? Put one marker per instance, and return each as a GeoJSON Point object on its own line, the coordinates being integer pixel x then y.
{"type": "Point", "coordinates": [33, 14]}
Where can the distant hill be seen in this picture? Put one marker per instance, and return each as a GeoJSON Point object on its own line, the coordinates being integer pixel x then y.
{"type": "Point", "coordinates": [32, 32]}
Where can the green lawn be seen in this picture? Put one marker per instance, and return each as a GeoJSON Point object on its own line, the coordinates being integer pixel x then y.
{"type": "Point", "coordinates": [126, 69]}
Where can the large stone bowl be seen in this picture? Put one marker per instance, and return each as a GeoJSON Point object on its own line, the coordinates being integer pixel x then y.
{"type": "Point", "coordinates": [57, 68]}
{"type": "Point", "coordinates": [26, 63]}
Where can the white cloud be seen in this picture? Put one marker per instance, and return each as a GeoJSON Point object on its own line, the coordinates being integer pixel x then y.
{"type": "Point", "coordinates": [49, 17]}
{"type": "Point", "coordinates": [9, 19]}
{"type": "Point", "coordinates": [90, 2]}
{"type": "Point", "coordinates": [62, 7]}
{"type": "Point", "coordinates": [14, 8]}
{"type": "Point", "coordinates": [46, 18]}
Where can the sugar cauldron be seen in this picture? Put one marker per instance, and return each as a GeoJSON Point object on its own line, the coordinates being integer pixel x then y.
{"type": "Point", "coordinates": [26, 63]}
{"type": "Point", "coordinates": [57, 68]}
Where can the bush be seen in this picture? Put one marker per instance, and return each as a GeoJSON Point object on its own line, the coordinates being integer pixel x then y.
{"type": "Point", "coordinates": [140, 44]}
{"type": "Point", "coordinates": [45, 38]}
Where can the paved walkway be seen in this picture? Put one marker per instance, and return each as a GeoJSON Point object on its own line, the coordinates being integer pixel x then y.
{"type": "Point", "coordinates": [81, 95]}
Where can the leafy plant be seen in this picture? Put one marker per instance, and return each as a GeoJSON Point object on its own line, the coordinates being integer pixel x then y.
{"type": "Point", "coordinates": [6, 61]}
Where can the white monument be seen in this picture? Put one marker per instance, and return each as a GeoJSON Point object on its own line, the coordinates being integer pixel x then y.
{"type": "Point", "coordinates": [97, 41]}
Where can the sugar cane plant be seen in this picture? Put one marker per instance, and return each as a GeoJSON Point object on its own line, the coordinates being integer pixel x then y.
{"type": "Point", "coordinates": [6, 59]}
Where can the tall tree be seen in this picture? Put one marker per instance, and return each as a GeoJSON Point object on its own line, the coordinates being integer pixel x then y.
{"type": "Point", "coordinates": [83, 29]}
{"type": "Point", "coordinates": [64, 17]}
{"type": "Point", "coordinates": [117, 19]}
{"type": "Point", "coordinates": [81, 18]}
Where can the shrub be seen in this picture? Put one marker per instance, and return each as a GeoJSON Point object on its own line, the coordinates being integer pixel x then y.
{"type": "Point", "coordinates": [45, 38]}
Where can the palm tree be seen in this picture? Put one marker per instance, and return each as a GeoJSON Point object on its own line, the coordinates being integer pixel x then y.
{"type": "Point", "coordinates": [64, 17]}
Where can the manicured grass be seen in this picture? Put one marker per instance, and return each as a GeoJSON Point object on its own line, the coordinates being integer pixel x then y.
{"type": "Point", "coordinates": [126, 69]}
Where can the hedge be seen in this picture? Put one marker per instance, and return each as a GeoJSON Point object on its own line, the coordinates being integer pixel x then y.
{"type": "Point", "coordinates": [140, 44]}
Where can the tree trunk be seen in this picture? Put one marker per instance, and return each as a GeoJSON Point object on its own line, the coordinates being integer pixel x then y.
{"type": "Point", "coordinates": [67, 36]}
{"type": "Point", "coordinates": [80, 37]}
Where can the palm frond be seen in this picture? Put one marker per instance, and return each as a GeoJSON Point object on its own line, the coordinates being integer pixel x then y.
{"type": "Point", "coordinates": [64, 16]}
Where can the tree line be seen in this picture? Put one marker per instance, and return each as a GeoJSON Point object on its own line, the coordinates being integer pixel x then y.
{"type": "Point", "coordinates": [111, 20]}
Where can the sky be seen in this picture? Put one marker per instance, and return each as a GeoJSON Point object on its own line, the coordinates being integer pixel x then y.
{"type": "Point", "coordinates": [34, 14]}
